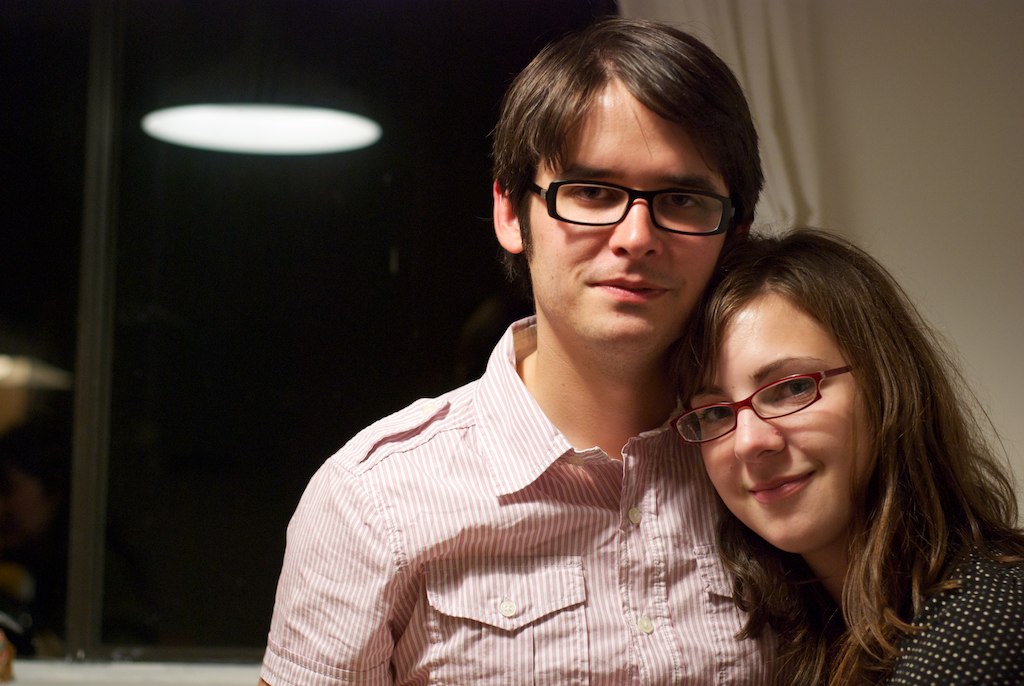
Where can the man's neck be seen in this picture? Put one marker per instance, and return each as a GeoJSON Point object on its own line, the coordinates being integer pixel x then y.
{"type": "Point", "coordinates": [597, 399]}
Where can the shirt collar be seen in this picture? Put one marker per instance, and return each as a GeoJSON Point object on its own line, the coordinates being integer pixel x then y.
{"type": "Point", "coordinates": [518, 439]}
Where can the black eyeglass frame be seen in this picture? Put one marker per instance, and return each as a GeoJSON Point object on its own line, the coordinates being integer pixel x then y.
{"type": "Point", "coordinates": [817, 377]}
{"type": "Point", "coordinates": [550, 193]}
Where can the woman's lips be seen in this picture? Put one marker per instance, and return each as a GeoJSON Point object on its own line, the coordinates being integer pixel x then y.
{"type": "Point", "coordinates": [780, 489]}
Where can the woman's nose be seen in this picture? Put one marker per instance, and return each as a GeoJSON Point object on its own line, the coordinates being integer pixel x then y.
{"type": "Point", "coordinates": [756, 438]}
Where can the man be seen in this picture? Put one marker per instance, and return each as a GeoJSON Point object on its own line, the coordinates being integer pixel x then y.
{"type": "Point", "coordinates": [544, 524]}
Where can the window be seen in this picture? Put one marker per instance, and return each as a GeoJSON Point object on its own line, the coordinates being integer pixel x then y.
{"type": "Point", "coordinates": [240, 317]}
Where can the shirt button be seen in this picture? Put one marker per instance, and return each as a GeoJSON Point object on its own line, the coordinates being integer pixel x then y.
{"type": "Point", "coordinates": [645, 625]}
{"type": "Point", "coordinates": [507, 608]}
{"type": "Point", "coordinates": [635, 515]}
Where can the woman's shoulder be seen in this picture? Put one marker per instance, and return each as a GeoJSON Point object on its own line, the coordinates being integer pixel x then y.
{"type": "Point", "coordinates": [985, 573]}
{"type": "Point", "coordinates": [970, 634]}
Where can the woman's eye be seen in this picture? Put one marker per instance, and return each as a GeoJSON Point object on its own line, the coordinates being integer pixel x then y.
{"type": "Point", "coordinates": [713, 415]}
{"type": "Point", "coordinates": [791, 389]}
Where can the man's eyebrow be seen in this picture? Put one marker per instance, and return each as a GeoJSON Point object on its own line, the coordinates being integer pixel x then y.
{"type": "Point", "coordinates": [579, 171]}
{"type": "Point", "coordinates": [697, 182]}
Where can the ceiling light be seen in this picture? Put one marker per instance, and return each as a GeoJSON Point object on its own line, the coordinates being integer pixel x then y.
{"type": "Point", "coordinates": [262, 129]}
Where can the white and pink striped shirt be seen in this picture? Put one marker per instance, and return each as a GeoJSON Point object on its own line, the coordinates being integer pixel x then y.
{"type": "Point", "coordinates": [463, 541]}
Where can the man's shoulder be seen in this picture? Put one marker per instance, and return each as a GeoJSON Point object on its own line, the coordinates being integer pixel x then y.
{"type": "Point", "coordinates": [408, 429]}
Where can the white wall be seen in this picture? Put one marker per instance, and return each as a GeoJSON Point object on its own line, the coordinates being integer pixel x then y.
{"type": "Point", "coordinates": [917, 114]}
{"type": "Point", "coordinates": [922, 152]}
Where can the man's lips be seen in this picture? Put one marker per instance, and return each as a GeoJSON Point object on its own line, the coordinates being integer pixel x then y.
{"type": "Point", "coordinates": [631, 288]}
{"type": "Point", "coordinates": [780, 488]}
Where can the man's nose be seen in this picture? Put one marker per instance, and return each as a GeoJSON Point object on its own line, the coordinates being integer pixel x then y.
{"type": "Point", "coordinates": [636, 234]}
{"type": "Point", "coordinates": [756, 438]}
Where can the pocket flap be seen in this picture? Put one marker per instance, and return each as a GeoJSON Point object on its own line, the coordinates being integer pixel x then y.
{"type": "Point", "coordinates": [507, 593]}
{"type": "Point", "coordinates": [712, 571]}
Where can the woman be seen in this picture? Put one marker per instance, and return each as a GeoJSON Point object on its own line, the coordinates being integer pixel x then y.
{"type": "Point", "coordinates": [872, 529]}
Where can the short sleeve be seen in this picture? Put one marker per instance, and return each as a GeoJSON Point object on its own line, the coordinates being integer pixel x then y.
{"type": "Point", "coordinates": [331, 613]}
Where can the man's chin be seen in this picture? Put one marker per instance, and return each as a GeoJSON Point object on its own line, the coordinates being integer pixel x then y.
{"type": "Point", "coordinates": [637, 335]}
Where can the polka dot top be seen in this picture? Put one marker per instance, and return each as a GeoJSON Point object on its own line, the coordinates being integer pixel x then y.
{"type": "Point", "coordinates": [973, 634]}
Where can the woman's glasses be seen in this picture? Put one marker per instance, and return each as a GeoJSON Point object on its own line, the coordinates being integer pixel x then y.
{"type": "Point", "coordinates": [777, 399]}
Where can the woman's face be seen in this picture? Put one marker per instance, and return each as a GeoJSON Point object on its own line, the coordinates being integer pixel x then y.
{"type": "Point", "coordinates": [789, 478]}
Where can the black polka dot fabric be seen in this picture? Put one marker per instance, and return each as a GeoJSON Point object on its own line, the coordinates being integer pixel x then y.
{"type": "Point", "coordinates": [973, 634]}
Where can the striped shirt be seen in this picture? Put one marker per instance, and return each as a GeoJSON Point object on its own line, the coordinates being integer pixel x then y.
{"type": "Point", "coordinates": [463, 541]}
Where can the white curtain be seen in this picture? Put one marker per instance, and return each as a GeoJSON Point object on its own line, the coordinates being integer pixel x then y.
{"type": "Point", "coordinates": [768, 45]}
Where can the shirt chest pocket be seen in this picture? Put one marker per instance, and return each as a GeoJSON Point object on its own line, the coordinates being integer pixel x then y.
{"type": "Point", "coordinates": [517, 620]}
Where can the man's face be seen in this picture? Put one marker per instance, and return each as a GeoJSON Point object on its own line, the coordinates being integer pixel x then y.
{"type": "Point", "coordinates": [627, 288]}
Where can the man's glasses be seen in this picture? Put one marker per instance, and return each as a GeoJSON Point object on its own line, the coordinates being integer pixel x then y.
{"type": "Point", "coordinates": [777, 399]}
{"type": "Point", "coordinates": [694, 213]}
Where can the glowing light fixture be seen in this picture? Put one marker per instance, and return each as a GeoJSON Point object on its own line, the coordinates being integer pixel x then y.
{"type": "Point", "coordinates": [262, 129]}
{"type": "Point", "coordinates": [18, 371]}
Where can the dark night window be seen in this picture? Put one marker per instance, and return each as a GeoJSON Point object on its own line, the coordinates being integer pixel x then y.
{"type": "Point", "coordinates": [230, 320]}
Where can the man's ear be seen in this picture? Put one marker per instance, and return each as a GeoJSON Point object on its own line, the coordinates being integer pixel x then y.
{"type": "Point", "coordinates": [740, 231]}
{"type": "Point", "coordinates": [506, 223]}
